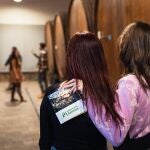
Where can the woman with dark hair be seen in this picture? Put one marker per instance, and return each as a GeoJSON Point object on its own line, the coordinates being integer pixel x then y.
{"type": "Point", "coordinates": [123, 117]}
{"type": "Point", "coordinates": [15, 74]}
{"type": "Point", "coordinates": [64, 121]}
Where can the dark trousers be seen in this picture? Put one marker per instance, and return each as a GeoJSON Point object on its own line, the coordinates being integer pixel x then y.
{"type": "Point", "coordinates": [16, 87]}
{"type": "Point", "coordinates": [43, 80]}
{"type": "Point", "coordinates": [142, 143]}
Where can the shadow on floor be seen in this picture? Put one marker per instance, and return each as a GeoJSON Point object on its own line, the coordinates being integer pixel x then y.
{"type": "Point", "coordinates": [12, 104]}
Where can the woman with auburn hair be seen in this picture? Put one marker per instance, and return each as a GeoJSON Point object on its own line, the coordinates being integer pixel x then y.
{"type": "Point", "coordinates": [123, 117]}
{"type": "Point", "coordinates": [16, 74]}
{"type": "Point", "coordinates": [64, 121]}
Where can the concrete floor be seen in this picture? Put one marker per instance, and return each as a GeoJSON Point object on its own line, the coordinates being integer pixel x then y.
{"type": "Point", "coordinates": [19, 122]}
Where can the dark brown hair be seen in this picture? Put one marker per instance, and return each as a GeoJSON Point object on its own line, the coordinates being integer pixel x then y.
{"type": "Point", "coordinates": [86, 61]}
{"type": "Point", "coordinates": [42, 45]}
{"type": "Point", "coordinates": [134, 45]}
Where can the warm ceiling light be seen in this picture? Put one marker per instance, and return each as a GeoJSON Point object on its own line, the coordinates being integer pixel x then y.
{"type": "Point", "coordinates": [17, 1]}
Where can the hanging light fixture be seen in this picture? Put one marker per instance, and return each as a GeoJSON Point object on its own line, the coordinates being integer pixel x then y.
{"type": "Point", "coordinates": [18, 1]}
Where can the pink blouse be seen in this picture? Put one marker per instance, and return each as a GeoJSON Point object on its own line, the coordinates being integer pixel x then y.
{"type": "Point", "coordinates": [133, 107]}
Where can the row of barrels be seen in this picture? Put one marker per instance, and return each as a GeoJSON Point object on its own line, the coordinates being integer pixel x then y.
{"type": "Point", "coordinates": [97, 16]}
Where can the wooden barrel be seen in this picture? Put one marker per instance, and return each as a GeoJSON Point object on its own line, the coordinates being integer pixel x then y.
{"type": "Point", "coordinates": [81, 16]}
{"type": "Point", "coordinates": [138, 12]}
{"type": "Point", "coordinates": [60, 45]}
{"type": "Point", "coordinates": [109, 26]}
{"type": "Point", "coordinates": [49, 43]}
{"type": "Point", "coordinates": [90, 9]}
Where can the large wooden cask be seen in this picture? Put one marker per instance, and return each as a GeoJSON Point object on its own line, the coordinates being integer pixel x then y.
{"type": "Point", "coordinates": [109, 25]}
{"type": "Point", "coordinates": [49, 43]}
{"type": "Point", "coordinates": [81, 16]}
{"type": "Point", "coordinates": [60, 45]}
{"type": "Point", "coordinates": [137, 10]}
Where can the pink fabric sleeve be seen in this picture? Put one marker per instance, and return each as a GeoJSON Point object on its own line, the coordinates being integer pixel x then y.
{"type": "Point", "coordinates": [125, 107]}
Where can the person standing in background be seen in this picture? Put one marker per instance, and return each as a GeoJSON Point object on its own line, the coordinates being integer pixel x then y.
{"type": "Point", "coordinates": [15, 74]}
{"type": "Point", "coordinates": [8, 63]}
{"type": "Point", "coordinates": [43, 67]}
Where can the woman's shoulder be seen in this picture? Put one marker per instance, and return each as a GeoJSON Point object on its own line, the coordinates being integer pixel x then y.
{"type": "Point", "coordinates": [129, 82]}
{"type": "Point", "coordinates": [129, 79]}
{"type": "Point", "coordinates": [52, 88]}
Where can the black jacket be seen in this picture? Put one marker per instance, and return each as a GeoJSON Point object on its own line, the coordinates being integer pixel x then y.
{"type": "Point", "coordinates": [142, 143]}
{"type": "Point", "coordinates": [78, 133]}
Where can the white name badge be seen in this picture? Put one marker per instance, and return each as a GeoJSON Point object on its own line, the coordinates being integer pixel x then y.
{"type": "Point", "coordinates": [75, 109]}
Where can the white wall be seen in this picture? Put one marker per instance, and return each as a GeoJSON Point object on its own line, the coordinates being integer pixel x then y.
{"type": "Point", "coordinates": [22, 25]}
{"type": "Point", "coordinates": [19, 15]}
{"type": "Point", "coordinates": [30, 11]}
{"type": "Point", "coordinates": [26, 38]}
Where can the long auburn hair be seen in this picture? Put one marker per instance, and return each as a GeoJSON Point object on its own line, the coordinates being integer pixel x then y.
{"type": "Point", "coordinates": [134, 45]}
{"type": "Point", "coordinates": [86, 61]}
